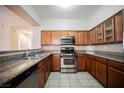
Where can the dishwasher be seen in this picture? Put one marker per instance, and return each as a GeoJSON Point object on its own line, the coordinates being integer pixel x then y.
{"type": "Point", "coordinates": [27, 79]}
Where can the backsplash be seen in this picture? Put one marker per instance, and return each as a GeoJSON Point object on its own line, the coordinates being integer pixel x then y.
{"type": "Point", "coordinates": [107, 47]}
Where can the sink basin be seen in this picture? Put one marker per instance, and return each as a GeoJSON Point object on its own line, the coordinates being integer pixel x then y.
{"type": "Point", "coordinates": [33, 57]}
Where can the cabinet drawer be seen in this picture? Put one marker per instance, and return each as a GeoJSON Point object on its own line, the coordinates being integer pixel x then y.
{"type": "Point", "coordinates": [116, 65]}
{"type": "Point", "coordinates": [56, 56]}
{"type": "Point", "coordinates": [41, 64]}
{"type": "Point", "coordinates": [101, 60]}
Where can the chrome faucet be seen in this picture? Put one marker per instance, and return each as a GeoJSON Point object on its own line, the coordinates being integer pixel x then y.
{"type": "Point", "coordinates": [27, 53]}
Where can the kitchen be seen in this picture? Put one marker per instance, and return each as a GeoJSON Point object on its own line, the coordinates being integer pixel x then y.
{"type": "Point", "coordinates": [52, 46]}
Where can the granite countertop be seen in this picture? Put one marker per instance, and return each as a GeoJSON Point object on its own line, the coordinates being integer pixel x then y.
{"type": "Point", "coordinates": [107, 55]}
{"type": "Point", "coordinates": [11, 69]}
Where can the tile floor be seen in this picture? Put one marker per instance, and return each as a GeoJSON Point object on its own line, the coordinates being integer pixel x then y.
{"type": "Point", "coordinates": [72, 80]}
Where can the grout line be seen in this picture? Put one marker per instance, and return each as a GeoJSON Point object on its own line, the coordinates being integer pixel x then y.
{"type": "Point", "coordinates": [69, 79]}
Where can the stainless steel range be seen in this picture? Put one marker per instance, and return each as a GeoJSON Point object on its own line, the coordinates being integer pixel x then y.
{"type": "Point", "coordinates": [68, 59]}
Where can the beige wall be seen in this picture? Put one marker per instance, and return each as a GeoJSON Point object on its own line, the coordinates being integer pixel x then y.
{"type": "Point", "coordinates": [9, 20]}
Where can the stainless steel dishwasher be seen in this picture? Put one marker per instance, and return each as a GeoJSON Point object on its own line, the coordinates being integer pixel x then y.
{"type": "Point", "coordinates": [30, 81]}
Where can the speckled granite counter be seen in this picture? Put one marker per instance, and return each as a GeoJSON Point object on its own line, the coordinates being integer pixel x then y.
{"type": "Point", "coordinates": [11, 69]}
{"type": "Point", "coordinates": [107, 55]}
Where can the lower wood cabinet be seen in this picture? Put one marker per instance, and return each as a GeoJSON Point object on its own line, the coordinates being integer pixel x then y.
{"type": "Point", "coordinates": [41, 75]}
{"type": "Point", "coordinates": [87, 64]}
{"type": "Point", "coordinates": [101, 71]}
{"type": "Point", "coordinates": [90, 65]}
{"type": "Point", "coordinates": [115, 74]}
{"type": "Point", "coordinates": [81, 59]}
{"type": "Point", "coordinates": [56, 62]}
{"type": "Point", "coordinates": [43, 71]}
{"type": "Point", "coordinates": [108, 73]}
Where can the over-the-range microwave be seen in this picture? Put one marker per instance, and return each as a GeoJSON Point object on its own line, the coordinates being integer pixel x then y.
{"type": "Point", "coordinates": [67, 40]}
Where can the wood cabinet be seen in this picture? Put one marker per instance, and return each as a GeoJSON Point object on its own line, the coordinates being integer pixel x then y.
{"type": "Point", "coordinates": [109, 30]}
{"type": "Point", "coordinates": [43, 71]}
{"type": "Point", "coordinates": [64, 33]}
{"type": "Point", "coordinates": [81, 59]}
{"type": "Point", "coordinates": [56, 62]}
{"type": "Point", "coordinates": [101, 70]}
{"type": "Point", "coordinates": [115, 74]}
{"type": "Point", "coordinates": [80, 37]}
{"type": "Point", "coordinates": [70, 33]}
{"type": "Point", "coordinates": [45, 38]}
{"type": "Point", "coordinates": [91, 65]}
{"type": "Point", "coordinates": [55, 38]}
{"type": "Point", "coordinates": [47, 68]}
{"type": "Point", "coordinates": [41, 75]}
{"type": "Point", "coordinates": [87, 64]}
{"type": "Point", "coordinates": [99, 34]}
{"type": "Point", "coordinates": [92, 37]}
{"type": "Point", "coordinates": [119, 27]}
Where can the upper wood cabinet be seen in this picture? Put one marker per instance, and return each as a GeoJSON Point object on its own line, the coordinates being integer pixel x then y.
{"type": "Point", "coordinates": [99, 34]}
{"type": "Point", "coordinates": [92, 36]}
{"type": "Point", "coordinates": [93, 33]}
{"type": "Point", "coordinates": [55, 38]}
{"type": "Point", "coordinates": [71, 33]}
{"type": "Point", "coordinates": [84, 37]}
{"type": "Point", "coordinates": [109, 30]}
{"type": "Point", "coordinates": [119, 27]}
{"type": "Point", "coordinates": [45, 38]}
{"type": "Point", "coordinates": [64, 33]}
{"type": "Point", "coordinates": [77, 38]}
{"type": "Point", "coordinates": [68, 33]}
{"type": "Point", "coordinates": [80, 37]}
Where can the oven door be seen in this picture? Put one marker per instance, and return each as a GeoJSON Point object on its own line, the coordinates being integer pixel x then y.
{"type": "Point", "coordinates": [68, 62]}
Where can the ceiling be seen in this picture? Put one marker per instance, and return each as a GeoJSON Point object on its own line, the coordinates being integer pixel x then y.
{"type": "Point", "coordinates": [71, 12]}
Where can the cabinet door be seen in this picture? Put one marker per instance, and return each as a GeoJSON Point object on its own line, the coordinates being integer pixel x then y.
{"type": "Point", "coordinates": [56, 62]}
{"type": "Point", "coordinates": [80, 37]}
{"type": "Point", "coordinates": [115, 78]}
{"type": "Point", "coordinates": [64, 33]}
{"type": "Point", "coordinates": [87, 64]}
{"type": "Point", "coordinates": [101, 73]}
{"type": "Point", "coordinates": [45, 38]}
{"type": "Point", "coordinates": [41, 77]}
{"type": "Point", "coordinates": [89, 37]}
{"type": "Point", "coordinates": [77, 38]}
{"type": "Point", "coordinates": [92, 66]}
{"type": "Point", "coordinates": [109, 31]}
{"type": "Point", "coordinates": [99, 34]}
{"type": "Point", "coordinates": [55, 38]}
{"type": "Point", "coordinates": [119, 27]}
{"type": "Point", "coordinates": [70, 33]}
{"type": "Point", "coordinates": [93, 36]}
{"type": "Point", "coordinates": [81, 62]}
{"type": "Point", "coordinates": [50, 63]}
{"type": "Point", "coordinates": [84, 38]}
